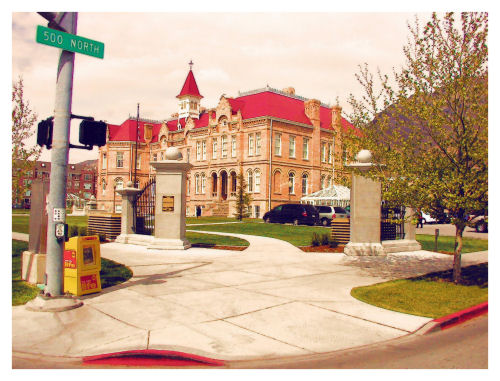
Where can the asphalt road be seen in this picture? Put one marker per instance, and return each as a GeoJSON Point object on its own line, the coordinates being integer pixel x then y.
{"type": "Point", "coordinates": [449, 230]}
{"type": "Point", "coordinates": [461, 347]}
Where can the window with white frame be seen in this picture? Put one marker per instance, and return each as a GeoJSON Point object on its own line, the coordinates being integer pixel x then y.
{"type": "Point", "coordinates": [291, 150]}
{"type": "Point", "coordinates": [330, 153]}
{"type": "Point", "coordinates": [233, 146]}
{"type": "Point", "coordinates": [119, 183]}
{"type": "Point", "coordinates": [305, 179]}
{"type": "Point", "coordinates": [257, 181]}
{"type": "Point", "coordinates": [198, 151]}
{"type": "Point", "coordinates": [104, 164]}
{"type": "Point", "coordinates": [258, 143]}
{"type": "Point", "coordinates": [197, 183]}
{"type": "Point", "coordinates": [214, 148]}
{"type": "Point", "coordinates": [103, 184]}
{"type": "Point", "coordinates": [188, 185]}
{"type": "Point", "coordinates": [323, 152]}
{"type": "Point", "coordinates": [203, 182]}
{"type": "Point", "coordinates": [250, 145]}
{"type": "Point", "coordinates": [204, 150]}
{"type": "Point", "coordinates": [249, 181]}
{"type": "Point", "coordinates": [224, 146]}
{"type": "Point", "coordinates": [323, 179]}
{"type": "Point", "coordinates": [138, 161]}
{"type": "Point", "coordinates": [155, 156]}
{"type": "Point", "coordinates": [305, 149]}
{"type": "Point", "coordinates": [119, 160]}
{"type": "Point", "coordinates": [277, 144]}
{"type": "Point", "coordinates": [291, 183]}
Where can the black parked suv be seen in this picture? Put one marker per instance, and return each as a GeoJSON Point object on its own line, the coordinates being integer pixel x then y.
{"type": "Point", "coordinates": [293, 213]}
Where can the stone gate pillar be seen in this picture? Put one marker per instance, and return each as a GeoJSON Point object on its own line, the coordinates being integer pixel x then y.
{"type": "Point", "coordinates": [365, 211]}
{"type": "Point", "coordinates": [128, 194]}
{"type": "Point", "coordinates": [170, 208]}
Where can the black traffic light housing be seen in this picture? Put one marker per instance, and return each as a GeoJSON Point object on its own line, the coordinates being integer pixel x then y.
{"type": "Point", "coordinates": [92, 133]}
{"type": "Point", "coordinates": [44, 132]}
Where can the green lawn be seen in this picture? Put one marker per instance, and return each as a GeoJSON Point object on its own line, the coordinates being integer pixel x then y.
{"type": "Point", "coordinates": [20, 224]}
{"type": "Point", "coordinates": [112, 273]}
{"type": "Point", "coordinates": [296, 235]}
{"type": "Point", "coordinates": [209, 240]}
{"type": "Point", "coordinates": [470, 245]}
{"type": "Point", "coordinates": [432, 295]}
{"type": "Point", "coordinates": [22, 292]}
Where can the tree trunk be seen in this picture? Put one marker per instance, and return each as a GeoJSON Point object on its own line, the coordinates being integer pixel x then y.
{"type": "Point", "coordinates": [457, 257]}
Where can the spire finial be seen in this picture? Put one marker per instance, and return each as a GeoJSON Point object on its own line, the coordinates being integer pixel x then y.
{"type": "Point", "coordinates": [191, 65]}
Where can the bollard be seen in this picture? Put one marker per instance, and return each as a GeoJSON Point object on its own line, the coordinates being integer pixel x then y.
{"type": "Point", "coordinates": [436, 235]}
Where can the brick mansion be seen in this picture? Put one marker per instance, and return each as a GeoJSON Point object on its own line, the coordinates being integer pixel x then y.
{"type": "Point", "coordinates": [282, 143]}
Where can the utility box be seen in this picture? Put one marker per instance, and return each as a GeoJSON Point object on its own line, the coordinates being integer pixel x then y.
{"type": "Point", "coordinates": [82, 264]}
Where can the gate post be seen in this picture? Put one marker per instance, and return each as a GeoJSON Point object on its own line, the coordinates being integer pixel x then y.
{"type": "Point", "coordinates": [170, 208]}
{"type": "Point", "coordinates": [128, 197]}
{"type": "Point", "coordinates": [366, 197]}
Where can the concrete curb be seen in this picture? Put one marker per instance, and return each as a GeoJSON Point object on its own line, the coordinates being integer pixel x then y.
{"type": "Point", "coordinates": [453, 319]}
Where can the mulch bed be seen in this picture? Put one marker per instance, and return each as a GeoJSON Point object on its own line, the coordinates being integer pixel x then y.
{"type": "Point", "coordinates": [322, 249]}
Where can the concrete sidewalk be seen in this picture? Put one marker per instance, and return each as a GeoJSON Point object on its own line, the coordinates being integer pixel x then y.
{"type": "Point", "coordinates": [270, 300]}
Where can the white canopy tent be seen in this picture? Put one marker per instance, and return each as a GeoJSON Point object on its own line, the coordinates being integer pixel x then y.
{"type": "Point", "coordinates": [336, 195]}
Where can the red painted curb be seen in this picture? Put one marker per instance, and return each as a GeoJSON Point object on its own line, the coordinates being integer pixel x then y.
{"type": "Point", "coordinates": [151, 357]}
{"type": "Point", "coordinates": [453, 319]}
{"type": "Point", "coordinates": [461, 316]}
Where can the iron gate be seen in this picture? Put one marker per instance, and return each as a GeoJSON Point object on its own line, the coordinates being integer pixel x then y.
{"type": "Point", "coordinates": [144, 209]}
{"type": "Point", "coordinates": [392, 225]}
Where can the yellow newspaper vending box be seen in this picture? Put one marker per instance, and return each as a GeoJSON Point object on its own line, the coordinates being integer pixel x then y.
{"type": "Point", "coordinates": [82, 264]}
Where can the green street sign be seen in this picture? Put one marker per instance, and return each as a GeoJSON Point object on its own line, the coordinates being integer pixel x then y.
{"type": "Point", "coordinates": [71, 42]}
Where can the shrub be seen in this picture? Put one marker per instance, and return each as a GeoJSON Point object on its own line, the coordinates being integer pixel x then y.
{"type": "Point", "coordinates": [82, 231]}
{"type": "Point", "coordinates": [334, 242]}
{"type": "Point", "coordinates": [325, 239]}
{"type": "Point", "coordinates": [72, 231]}
{"type": "Point", "coordinates": [315, 240]}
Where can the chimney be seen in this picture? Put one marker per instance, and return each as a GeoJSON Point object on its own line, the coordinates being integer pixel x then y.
{"type": "Point", "coordinates": [336, 117]}
{"type": "Point", "coordinates": [311, 108]}
{"type": "Point", "coordinates": [148, 132]}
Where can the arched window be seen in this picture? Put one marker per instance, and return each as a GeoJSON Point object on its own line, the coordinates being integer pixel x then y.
{"type": "Point", "coordinates": [249, 181]}
{"type": "Point", "coordinates": [103, 182]}
{"type": "Point", "coordinates": [323, 178]}
{"type": "Point", "coordinates": [257, 180]}
{"type": "Point", "coordinates": [119, 183]}
{"type": "Point", "coordinates": [197, 183]}
{"type": "Point", "coordinates": [305, 179]}
{"type": "Point", "coordinates": [233, 182]}
{"type": "Point", "coordinates": [277, 182]}
{"type": "Point", "coordinates": [291, 183]}
{"type": "Point", "coordinates": [203, 183]}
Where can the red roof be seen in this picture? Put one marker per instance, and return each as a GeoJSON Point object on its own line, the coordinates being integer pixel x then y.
{"type": "Point", "coordinates": [265, 103]}
{"type": "Point", "coordinates": [190, 87]}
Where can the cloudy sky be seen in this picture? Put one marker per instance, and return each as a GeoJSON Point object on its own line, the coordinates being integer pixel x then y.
{"type": "Point", "coordinates": [146, 57]}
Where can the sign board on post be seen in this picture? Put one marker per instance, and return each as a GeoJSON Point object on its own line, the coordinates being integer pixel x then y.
{"type": "Point", "coordinates": [70, 42]}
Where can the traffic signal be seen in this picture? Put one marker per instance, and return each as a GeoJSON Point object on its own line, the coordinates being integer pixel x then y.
{"type": "Point", "coordinates": [92, 133]}
{"type": "Point", "coordinates": [44, 133]}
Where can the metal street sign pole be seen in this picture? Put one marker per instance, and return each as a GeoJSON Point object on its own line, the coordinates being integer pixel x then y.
{"type": "Point", "coordinates": [59, 160]}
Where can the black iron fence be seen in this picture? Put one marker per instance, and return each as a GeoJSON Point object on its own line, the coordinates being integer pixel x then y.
{"type": "Point", "coordinates": [392, 225]}
{"type": "Point", "coordinates": [144, 209]}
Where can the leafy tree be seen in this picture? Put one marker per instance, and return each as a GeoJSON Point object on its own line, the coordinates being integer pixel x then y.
{"type": "Point", "coordinates": [23, 156]}
{"type": "Point", "coordinates": [428, 122]}
{"type": "Point", "coordinates": [243, 198]}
